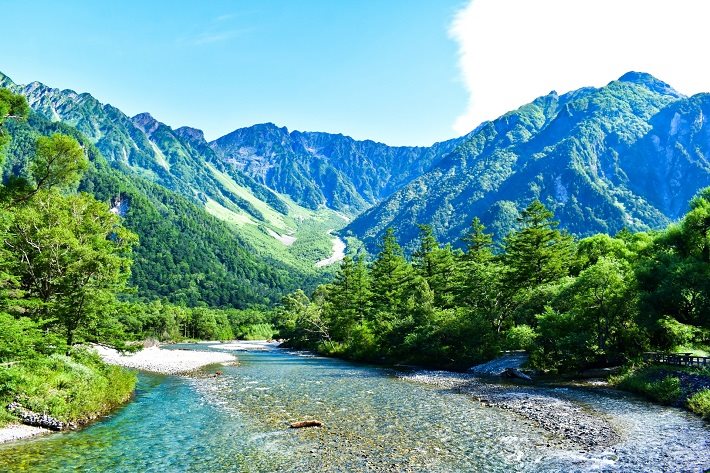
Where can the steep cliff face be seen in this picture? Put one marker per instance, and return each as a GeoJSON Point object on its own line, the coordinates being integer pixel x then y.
{"type": "Point", "coordinates": [672, 161]}
{"type": "Point", "coordinates": [322, 169]}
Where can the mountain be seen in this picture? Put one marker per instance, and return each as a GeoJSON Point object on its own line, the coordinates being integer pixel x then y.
{"type": "Point", "coordinates": [627, 155]}
{"type": "Point", "coordinates": [282, 192]}
{"type": "Point", "coordinates": [208, 233]}
{"type": "Point", "coordinates": [273, 227]}
{"type": "Point", "coordinates": [184, 254]}
{"type": "Point", "coordinates": [326, 170]}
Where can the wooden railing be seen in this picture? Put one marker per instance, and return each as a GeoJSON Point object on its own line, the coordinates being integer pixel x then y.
{"type": "Point", "coordinates": [678, 359]}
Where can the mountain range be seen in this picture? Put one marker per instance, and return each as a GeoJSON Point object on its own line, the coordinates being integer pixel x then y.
{"type": "Point", "coordinates": [630, 154]}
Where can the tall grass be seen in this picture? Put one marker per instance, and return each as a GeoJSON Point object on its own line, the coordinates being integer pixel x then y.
{"type": "Point", "coordinates": [75, 388]}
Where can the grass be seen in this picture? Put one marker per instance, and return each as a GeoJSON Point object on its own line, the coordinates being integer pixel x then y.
{"type": "Point", "coordinates": [694, 351]}
{"type": "Point", "coordinates": [663, 384]}
{"type": "Point", "coordinates": [76, 388]}
{"type": "Point", "coordinates": [665, 390]}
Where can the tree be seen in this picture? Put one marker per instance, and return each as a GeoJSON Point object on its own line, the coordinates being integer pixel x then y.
{"type": "Point", "coordinates": [435, 264]}
{"type": "Point", "coordinates": [59, 162]}
{"type": "Point", "coordinates": [674, 273]}
{"type": "Point", "coordinates": [391, 276]}
{"type": "Point", "coordinates": [479, 244]}
{"type": "Point", "coordinates": [348, 298]}
{"type": "Point", "coordinates": [11, 106]}
{"type": "Point", "coordinates": [538, 253]}
{"type": "Point", "coordinates": [72, 258]}
{"type": "Point", "coordinates": [301, 319]}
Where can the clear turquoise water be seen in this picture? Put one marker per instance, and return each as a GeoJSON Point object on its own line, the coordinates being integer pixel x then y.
{"type": "Point", "coordinates": [374, 421]}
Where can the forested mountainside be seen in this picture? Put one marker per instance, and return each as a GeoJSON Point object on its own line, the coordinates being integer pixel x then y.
{"type": "Point", "coordinates": [323, 169]}
{"type": "Point", "coordinates": [272, 228]}
{"type": "Point", "coordinates": [627, 155]}
{"type": "Point", "coordinates": [184, 254]}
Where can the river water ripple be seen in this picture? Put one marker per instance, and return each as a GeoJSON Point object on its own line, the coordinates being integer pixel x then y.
{"type": "Point", "coordinates": [373, 421]}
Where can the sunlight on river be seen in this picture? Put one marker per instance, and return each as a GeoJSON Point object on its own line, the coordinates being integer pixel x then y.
{"type": "Point", "coordinates": [373, 421]}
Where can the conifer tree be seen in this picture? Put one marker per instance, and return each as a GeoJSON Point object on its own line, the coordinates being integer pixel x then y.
{"type": "Point", "coordinates": [348, 298]}
{"type": "Point", "coordinates": [435, 264]}
{"type": "Point", "coordinates": [538, 253]}
{"type": "Point", "coordinates": [479, 244]}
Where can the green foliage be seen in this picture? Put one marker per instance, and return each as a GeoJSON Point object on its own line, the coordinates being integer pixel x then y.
{"type": "Point", "coordinates": [59, 162]}
{"type": "Point", "coordinates": [72, 257]}
{"type": "Point", "coordinates": [11, 106]}
{"type": "Point", "coordinates": [22, 339]}
{"type": "Point", "coordinates": [572, 305]}
{"type": "Point", "coordinates": [75, 388]}
{"type": "Point", "coordinates": [700, 403]}
{"type": "Point", "coordinates": [651, 382]}
{"type": "Point", "coordinates": [520, 337]}
{"type": "Point", "coordinates": [538, 253]}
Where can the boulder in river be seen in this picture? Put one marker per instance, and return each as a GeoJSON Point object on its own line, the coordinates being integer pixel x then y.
{"type": "Point", "coordinates": [496, 367]}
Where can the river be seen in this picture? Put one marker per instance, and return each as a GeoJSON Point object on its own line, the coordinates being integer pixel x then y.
{"type": "Point", "coordinates": [374, 421]}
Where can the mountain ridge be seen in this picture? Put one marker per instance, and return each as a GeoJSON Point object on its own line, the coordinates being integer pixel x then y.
{"type": "Point", "coordinates": [576, 152]}
{"type": "Point", "coordinates": [586, 153]}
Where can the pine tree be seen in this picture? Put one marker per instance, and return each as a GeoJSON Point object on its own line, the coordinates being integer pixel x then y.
{"type": "Point", "coordinates": [391, 275]}
{"type": "Point", "coordinates": [348, 298]}
{"type": "Point", "coordinates": [538, 253]}
{"type": "Point", "coordinates": [479, 244]}
{"type": "Point", "coordinates": [476, 275]}
{"type": "Point", "coordinates": [436, 265]}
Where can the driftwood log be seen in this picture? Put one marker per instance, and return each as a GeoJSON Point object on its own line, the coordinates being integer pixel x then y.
{"type": "Point", "coordinates": [305, 423]}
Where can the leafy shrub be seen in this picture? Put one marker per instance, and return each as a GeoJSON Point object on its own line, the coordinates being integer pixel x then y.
{"type": "Point", "coordinates": [520, 337]}
{"type": "Point", "coordinates": [74, 388]}
{"type": "Point", "coordinates": [256, 332]}
{"type": "Point", "coordinates": [651, 383]}
{"type": "Point", "coordinates": [700, 403]}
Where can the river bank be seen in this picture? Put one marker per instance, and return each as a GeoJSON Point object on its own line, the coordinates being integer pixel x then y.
{"type": "Point", "coordinates": [13, 432]}
{"type": "Point", "coordinates": [373, 420]}
{"type": "Point", "coordinates": [153, 359]}
{"type": "Point", "coordinates": [160, 360]}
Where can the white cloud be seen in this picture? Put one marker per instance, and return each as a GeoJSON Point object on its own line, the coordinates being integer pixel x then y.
{"type": "Point", "coordinates": [511, 51]}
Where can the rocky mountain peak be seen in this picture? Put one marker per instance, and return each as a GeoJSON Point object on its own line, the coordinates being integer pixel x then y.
{"type": "Point", "coordinates": [146, 123]}
{"type": "Point", "coordinates": [644, 78]}
{"type": "Point", "coordinates": [191, 134]}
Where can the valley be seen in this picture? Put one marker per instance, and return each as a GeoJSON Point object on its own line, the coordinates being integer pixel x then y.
{"type": "Point", "coordinates": [574, 228]}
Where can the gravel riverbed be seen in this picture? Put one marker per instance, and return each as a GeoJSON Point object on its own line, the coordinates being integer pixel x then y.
{"type": "Point", "coordinates": [563, 418]}
{"type": "Point", "coordinates": [159, 360]}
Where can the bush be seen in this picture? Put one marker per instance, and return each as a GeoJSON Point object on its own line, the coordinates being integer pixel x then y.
{"type": "Point", "coordinates": [650, 382]}
{"type": "Point", "coordinates": [676, 334]}
{"type": "Point", "coordinates": [255, 332]}
{"type": "Point", "coordinates": [75, 388]}
{"type": "Point", "coordinates": [520, 337]}
{"type": "Point", "coordinates": [700, 403]}
{"type": "Point", "coordinates": [21, 339]}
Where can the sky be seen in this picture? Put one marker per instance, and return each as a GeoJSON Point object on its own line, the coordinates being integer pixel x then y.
{"type": "Point", "coordinates": [404, 72]}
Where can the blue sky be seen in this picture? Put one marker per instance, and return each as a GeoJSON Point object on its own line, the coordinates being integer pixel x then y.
{"type": "Point", "coordinates": [383, 70]}
{"type": "Point", "coordinates": [398, 71]}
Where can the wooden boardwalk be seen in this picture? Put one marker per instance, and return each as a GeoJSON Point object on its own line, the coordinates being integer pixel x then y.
{"type": "Point", "coordinates": [678, 359]}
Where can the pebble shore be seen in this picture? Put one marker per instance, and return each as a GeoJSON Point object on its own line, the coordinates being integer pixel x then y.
{"type": "Point", "coordinates": [563, 418]}
{"type": "Point", "coordinates": [19, 431]}
{"type": "Point", "coordinates": [158, 360]}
